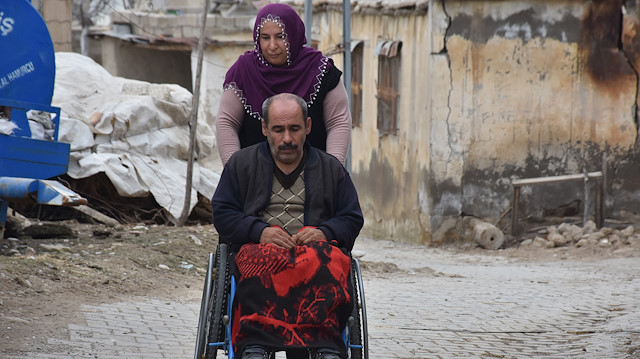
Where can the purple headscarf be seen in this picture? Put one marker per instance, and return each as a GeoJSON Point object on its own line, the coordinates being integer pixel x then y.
{"type": "Point", "coordinates": [254, 79]}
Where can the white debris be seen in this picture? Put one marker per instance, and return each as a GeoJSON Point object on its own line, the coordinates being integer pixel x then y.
{"type": "Point", "coordinates": [196, 240]}
{"type": "Point", "coordinates": [6, 126]}
{"type": "Point", "coordinates": [136, 133]}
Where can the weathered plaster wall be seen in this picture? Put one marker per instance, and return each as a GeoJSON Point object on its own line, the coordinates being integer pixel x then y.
{"type": "Point", "coordinates": [390, 171]}
{"type": "Point", "coordinates": [491, 91]}
{"type": "Point", "coordinates": [538, 89]}
{"type": "Point", "coordinates": [624, 186]}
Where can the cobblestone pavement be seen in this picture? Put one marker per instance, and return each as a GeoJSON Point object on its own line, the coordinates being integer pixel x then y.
{"type": "Point", "coordinates": [433, 305]}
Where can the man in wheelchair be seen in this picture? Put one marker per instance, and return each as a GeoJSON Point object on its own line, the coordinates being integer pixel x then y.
{"type": "Point", "coordinates": [291, 213]}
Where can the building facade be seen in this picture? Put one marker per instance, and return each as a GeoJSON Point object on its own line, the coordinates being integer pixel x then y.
{"type": "Point", "coordinates": [452, 100]}
{"type": "Point", "coordinates": [457, 98]}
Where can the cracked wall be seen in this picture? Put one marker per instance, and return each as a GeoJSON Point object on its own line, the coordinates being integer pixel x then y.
{"type": "Point", "coordinates": [630, 45]}
{"type": "Point", "coordinates": [539, 89]}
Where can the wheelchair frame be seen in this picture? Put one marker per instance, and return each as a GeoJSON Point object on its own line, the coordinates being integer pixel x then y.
{"type": "Point", "coordinates": [214, 322]}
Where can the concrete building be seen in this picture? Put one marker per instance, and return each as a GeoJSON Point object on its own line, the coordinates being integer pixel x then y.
{"type": "Point", "coordinates": [480, 93]}
{"type": "Point", "coordinates": [451, 99]}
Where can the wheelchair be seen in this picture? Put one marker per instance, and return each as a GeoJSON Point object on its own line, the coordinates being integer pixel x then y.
{"type": "Point", "coordinates": [216, 308]}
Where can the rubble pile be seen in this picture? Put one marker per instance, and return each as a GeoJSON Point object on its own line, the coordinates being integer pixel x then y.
{"type": "Point", "coordinates": [567, 234]}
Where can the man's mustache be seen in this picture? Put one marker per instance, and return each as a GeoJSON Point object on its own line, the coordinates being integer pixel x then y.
{"type": "Point", "coordinates": [288, 146]}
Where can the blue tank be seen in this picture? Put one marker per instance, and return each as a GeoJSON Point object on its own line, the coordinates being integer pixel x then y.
{"type": "Point", "coordinates": [27, 77]}
{"type": "Point", "coordinates": [27, 66]}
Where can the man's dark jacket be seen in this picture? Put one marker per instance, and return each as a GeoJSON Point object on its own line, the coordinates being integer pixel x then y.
{"type": "Point", "coordinates": [244, 191]}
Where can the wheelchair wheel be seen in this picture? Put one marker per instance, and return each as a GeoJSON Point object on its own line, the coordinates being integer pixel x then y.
{"type": "Point", "coordinates": [358, 334]}
{"type": "Point", "coordinates": [203, 324]}
{"type": "Point", "coordinates": [210, 326]}
{"type": "Point", "coordinates": [218, 301]}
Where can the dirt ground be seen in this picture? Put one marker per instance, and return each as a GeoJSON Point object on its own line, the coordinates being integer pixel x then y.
{"type": "Point", "coordinates": [42, 287]}
{"type": "Point", "coordinates": [43, 281]}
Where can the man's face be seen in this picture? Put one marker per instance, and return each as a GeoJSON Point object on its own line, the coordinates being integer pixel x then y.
{"type": "Point", "coordinates": [286, 132]}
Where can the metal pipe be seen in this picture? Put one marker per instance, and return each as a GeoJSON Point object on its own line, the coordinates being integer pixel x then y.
{"type": "Point", "coordinates": [346, 33]}
{"type": "Point", "coordinates": [17, 188]}
{"type": "Point", "coordinates": [308, 20]}
{"type": "Point", "coordinates": [514, 211]}
{"type": "Point", "coordinates": [585, 208]}
{"type": "Point", "coordinates": [599, 204]}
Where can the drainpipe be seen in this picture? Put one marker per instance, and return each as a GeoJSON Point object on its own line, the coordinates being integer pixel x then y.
{"type": "Point", "coordinates": [346, 33]}
{"type": "Point", "coordinates": [308, 21]}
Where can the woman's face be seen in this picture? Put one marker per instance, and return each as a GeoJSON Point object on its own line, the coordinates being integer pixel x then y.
{"type": "Point", "coordinates": [272, 44]}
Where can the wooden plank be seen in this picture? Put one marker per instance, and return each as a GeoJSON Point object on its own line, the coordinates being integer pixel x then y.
{"type": "Point", "coordinates": [98, 216]}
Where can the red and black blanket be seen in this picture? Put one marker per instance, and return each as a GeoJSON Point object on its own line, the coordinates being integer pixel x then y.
{"type": "Point", "coordinates": [292, 298]}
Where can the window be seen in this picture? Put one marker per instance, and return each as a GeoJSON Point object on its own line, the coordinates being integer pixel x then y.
{"type": "Point", "coordinates": [356, 83]}
{"type": "Point", "coordinates": [388, 53]}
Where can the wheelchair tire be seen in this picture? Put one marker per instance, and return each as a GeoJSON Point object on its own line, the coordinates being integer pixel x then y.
{"type": "Point", "coordinates": [218, 300]}
{"type": "Point", "coordinates": [203, 320]}
{"type": "Point", "coordinates": [358, 332]}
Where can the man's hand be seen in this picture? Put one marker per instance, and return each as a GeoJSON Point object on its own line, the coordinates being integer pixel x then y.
{"type": "Point", "coordinates": [278, 237]}
{"type": "Point", "coordinates": [308, 235]}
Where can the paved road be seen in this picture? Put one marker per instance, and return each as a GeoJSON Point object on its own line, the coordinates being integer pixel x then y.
{"type": "Point", "coordinates": [432, 305]}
